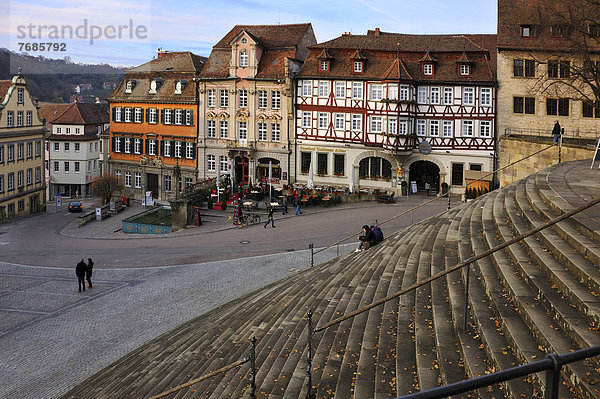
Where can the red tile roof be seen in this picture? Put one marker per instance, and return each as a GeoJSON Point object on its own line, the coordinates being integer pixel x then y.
{"type": "Point", "coordinates": [51, 111]}
{"type": "Point", "coordinates": [175, 61]}
{"type": "Point", "coordinates": [4, 86]}
{"type": "Point", "coordinates": [270, 36]}
{"type": "Point", "coordinates": [399, 56]}
{"type": "Point", "coordinates": [83, 114]}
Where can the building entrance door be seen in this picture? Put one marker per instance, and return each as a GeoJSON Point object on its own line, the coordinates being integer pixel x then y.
{"type": "Point", "coordinates": [425, 172]}
{"type": "Point", "coordinates": [33, 204]}
{"type": "Point", "coordinates": [241, 170]}
{"type": "Point", "coordinates": [152, 184]}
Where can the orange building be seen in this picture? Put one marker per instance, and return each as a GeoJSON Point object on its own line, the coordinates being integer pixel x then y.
{"type": "Point", "coordinates": [153, 128]}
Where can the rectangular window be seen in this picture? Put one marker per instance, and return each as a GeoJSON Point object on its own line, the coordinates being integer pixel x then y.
{"type": "Point", "coordinates": [340, 89]}
{"type": "Point", "coordinates": [403, 128]}
{"type": "Point", "coordinates": [91, 147]}
{"type": "Point", "coordinates": [118, 111]}
{"type": "Point", "coordinates": [306, 88]}
{"type": "Point", "coordinates": [305, 158]}
{"type": "Point", "coordinates": [339, 121]}
{"type": "Point", "coordinates": [358, 66]}
{"type": "Point", "coordinates": [10, 184]}
{"type": "Point", "coordinates": [168, 116]}
{"type": "Point", "coordinates": [324, 65]}
{"type": "Point", "coordinates": [211, 98]}
{"type": "Point", "coordinates": [21, 205]}
{"type": "Point", "coordinates": [530, 105]}
{"type": "Point", "coordinates": [392, 126]}
{"type": "Point", "coordinates": [339, 161]}
{"type": "Point", "coordinates": [529, 68]}
{"type": "Point", "coordinates": [553, 69]}
{"type": "Point", "coordinates": [404, 93]}
{"type": "Point", "coordinates": [421, 124]}
{"type": "Point", "coordinates": [211, 163]}
{"type": "Point", "coordinates": [422, 95]}
{"type": "Point", "coordinates": [1, 183]}
{"type": "Point", "coordinates": [29, 176]}
{"type": "Point", "coordinates": [262, 99]}
{"type": "Point", "coordinates": [151, 147]}
{"type": "Point", "coordinates": [223, 165]}
{"type": "Point", "coordinates": [306, 119]}
{"type": "Point", "coordinates": [275, 99]}
{"type": "Point", "coordinates": [243, 59]}
{"type": "Point", "coordinates": [559, 30]}
{"type": "Point", "coordinates": [323, 88]}
{"type": "Point", "coordinates": [587, 110]}
{"type": "Point", "coordinates": [467, 128]}
{"type": "Point", "coordinates": [189, 150]}
{"type": "Point", "coordinates": [376, 92]}
{"type": "Point", "coordinates": [448, 95]}
{"type": "Point", "coordinates": [262, 131]}
{"type": "Point", "coordinates": [551, 106]}
{"type": "Point", "coordinates": [243, 98]}
{"type": "Point", "coordinates": [188, 117]}
{"type": "Point", "coordinates": [38, 148]}
{"type": "Point", "coordinates": [20, 151]}
{"type": "Point", "coordinates": [117, 174]}
{"type": "Point", "coordinates": [20, 96]}
{"type": "Point", "coordinates": [357, 90]}
{"type": "Point", "coordinates": [518, 105]}
{"type": "Point", "coordinates": [527, 31]}
{"type": "Point", "coordinates": [376, 124]}
{"type": "Point", "coordinates": [76, 167]}
{"type": "Point", "coordinates": [127, 114]}
{"type": "Point", "coordinates": [518, 67]}
{"type": "Point", "coordinates": [29, 150]}
{"type": "Point", "coordinates": [428, 69]}
{"type": "Point", "coordinates": [211, 131]}
{"type": "Point", "coordinates": [465, 70]}
{"type": "Point", "coordinates": [1, 154]}
{"type": "Point", "coordinates": [189, 182]}
{"type": "Point", "coordinates": [10, 119]}
{"type": "Point", "coordinates": [56, 167]}
{"type": "Point", "coordinates": [485, 129]}
{"type": "Point", "coordinates": [167, 148]}
{"type": "Point", "coordinates": [152, 115]}
{"type": "Point", "coordinates": [20, 179]}
{"type": "Point", "coordinates": [564, 69]}
{"type": "Point", "coordinates": [486, 97]}
{"type": "Point", "coordinates": [243, 130]}
{"type": "Point", "coordinates": [468, 96]}
{"type": "Point", "coordinates": [434, 95]}
{"type": "Point", "coordinates": [323, 120]}
{"type": "Point", "coordinates": [447, 129]}
{"type": "Point", "coordinates": [223, 98]}
{"type": "Point", "coordinates": [138, 179]}
{"type": "Point", "coordinates": [563, 107]}
{"type": "Point", "coordinates": [322, 164]}
{"type": "Point", "coordinates": [66, 165]}
{"type": "Point", "coordinates": [68, 130]}
{"type": "Point", "coordinates": [392, 92]}
{"type": "Point", "coordinates": [457, 174]}
{"type": "Point", "coordinates": [167, 183]}
{"type": "Point", "coordinates": [38, 174]}
{"type": "Point", "coordinates": [10, 153]}
{"type": "Point", "coordinates": [223, 129]}
{"type": "Point", "coordinates": [67, 146]}
{"type": "Point", "coordinates": [127, 145]}
{"type": "Point", "coordinates": [89, 166]}
{"type": "Point", "coordinates": [137, 146]}
{"type": "Point", "coordinates": [137, 114]}
{"type": "Point", "coordinates": [434, 128]}
{"type": "Point", "coordinates": [178, 116]}
{"type": "Point", "coordinates": [29, 118]}
{"type": "Point", "coordinates": [77, 147]}
{"type": "Point", "coordinates": [356, 122]}
{"type": "Point", "coordinates": [19, 118]}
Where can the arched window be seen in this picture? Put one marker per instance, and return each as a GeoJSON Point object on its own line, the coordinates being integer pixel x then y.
{"type": "Point", "coordinates": [243, 58]}
{"type": "Point", "coordinates": [375, 168]}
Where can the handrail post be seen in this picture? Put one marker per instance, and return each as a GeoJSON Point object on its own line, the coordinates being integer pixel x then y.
{"type": "Point", "coordinates": [312, 254]}
{"type": "Point", "coordinates": [466, 296]}
{"type": "Point", "coordinates": [253, 369]}
{"type": "Point", "coordinates": [553, 377]}
{"type": "Point", "coordinates": [309, 357]}
{"type": "Point", "coordinates": [560, 139]}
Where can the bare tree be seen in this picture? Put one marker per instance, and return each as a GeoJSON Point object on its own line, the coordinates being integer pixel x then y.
{"type": "Point", "coordinates": [105, 186]}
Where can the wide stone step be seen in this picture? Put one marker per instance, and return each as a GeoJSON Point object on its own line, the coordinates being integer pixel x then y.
{"type": "Point", "coordinates": [549, 335]}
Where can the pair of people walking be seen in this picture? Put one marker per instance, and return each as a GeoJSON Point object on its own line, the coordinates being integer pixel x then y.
{"type": "Point", "coordinates": [83, 271]}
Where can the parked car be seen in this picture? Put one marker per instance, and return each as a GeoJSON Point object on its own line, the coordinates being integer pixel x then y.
{"type": "Point", "coordinates": [75, 206]}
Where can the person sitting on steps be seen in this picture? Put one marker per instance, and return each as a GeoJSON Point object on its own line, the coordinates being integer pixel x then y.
{"type": "Point", "coordinates": [367, 239]}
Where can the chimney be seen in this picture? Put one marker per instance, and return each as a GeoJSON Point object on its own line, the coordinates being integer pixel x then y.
{"type": "Point", "coordinates": [377, 33]}
{"type": "Point", "coordinates": [160, 52]}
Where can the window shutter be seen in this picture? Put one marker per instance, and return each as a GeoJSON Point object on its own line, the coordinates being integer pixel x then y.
{"type": "Point", "coordinates": [122, 143]}
{"type": "Point", "coordinates": [162, 117]}
{"type": "Point", "coordinates": [113, 144]}
{"type": "Point", "coordinates": [147, 146]}
{"type": "Point", "coordinates": [142, 145]}
{"type": "Point", "coordinates": [191, 111]}
{"type": "Point", "coordinates": [172, 148]}
{"type": "Point", "coordinates": [193, 150]}
{"type": "Point", "coordinates": [142, 118]}
{"type": "Point", "coordinates": [162, 148]}
{"type": "Point", "coordinates": [172, 116]}
{"type": "Point", "coordinates": [114, 114]}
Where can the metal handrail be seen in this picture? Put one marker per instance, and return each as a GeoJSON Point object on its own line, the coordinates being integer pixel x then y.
{"type": "Point", "coordinates": [546, 133]}
{"type": "Point", "coordinates": [552, 364]}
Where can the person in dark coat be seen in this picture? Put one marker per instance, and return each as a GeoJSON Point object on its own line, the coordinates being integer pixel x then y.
{"type": "Point", "coordinates": [284, 202]}
{"type": "Point", "coordinates": [367, 239]}
{"type": "Point", "coordinates": [556, 131]}
{"type": "Point", "coordinates": [270, 218]}
{"type": "Point", "coordinates": [80, 273]}
{"type": "Point", "coordinates": [88, 272]}
{"type": "Point", "coordinates": [297, 202]}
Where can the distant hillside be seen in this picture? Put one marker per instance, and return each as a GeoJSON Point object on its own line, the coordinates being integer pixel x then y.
{"type": "Point", "coordinates": [53, 80]}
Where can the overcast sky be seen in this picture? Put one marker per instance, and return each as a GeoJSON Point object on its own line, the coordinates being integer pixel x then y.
{"type": "Point", "coordinates": [198, 25]}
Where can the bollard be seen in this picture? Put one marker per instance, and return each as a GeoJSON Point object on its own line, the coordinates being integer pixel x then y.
{"type": "Point", "coordinates": [448, 198]}
{"type": "Point", "coordinates": [253, 367]}
{"type": "Point", "coordinates": [466, 297]}
{"type": "Point", "coordinates": [312, 254]}
{"type": "Point", "coordinates": [309, 357]}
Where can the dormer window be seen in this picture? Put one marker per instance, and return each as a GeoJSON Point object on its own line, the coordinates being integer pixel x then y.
{"type": "Point", "coordinates": [464, 69]}
{"type": "Point", "coordinates": [527, 31]}
{"type": "Point", "coordinates": [325, 65]}
{"type": "Point", "coordinates": [180, 85]}
{"type": "Point", "coordinates": [559, 30]}
{"type": "Point", "coordinates": [154, 85]}
{"type": "Point", "coordinates": [243, 59]}
{"type": "Point", "coordinates": [358, 66]}
{"type": "Point", "coordinates": [428, 69]}
{"type": "Point", "coordinates": [129, 86]}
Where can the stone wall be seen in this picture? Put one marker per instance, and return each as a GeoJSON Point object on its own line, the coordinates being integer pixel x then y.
{"type": "Point", "coordinates": [512, 149]}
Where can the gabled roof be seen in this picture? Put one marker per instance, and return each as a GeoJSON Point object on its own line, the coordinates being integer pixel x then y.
{"type": "Point", "coordinates": [176, 61]}
{"type": "Point", "coordinates": [396, 71]}
{"type": "Point", "coordinates": [324, 55]}
{"type": "Point", "coordinates": [51, 111]}
{"type": "Point", "coordinates": [427, 58]}
{"type": "Point", "coordinates": [83, 114]}
{"type": "Point", "coordinates": [268, 35]}
{"type": "Point", "coordinates": [358, 55]}
{"type": "Point", "coordinates": [463, 59]}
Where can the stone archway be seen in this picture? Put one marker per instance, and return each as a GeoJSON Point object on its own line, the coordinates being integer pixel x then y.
{"type": "Point", "coordinates": [368, 154]}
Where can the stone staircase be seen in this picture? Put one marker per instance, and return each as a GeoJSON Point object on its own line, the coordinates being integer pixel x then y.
{"type": "Point", "coordinates": [537, 296]}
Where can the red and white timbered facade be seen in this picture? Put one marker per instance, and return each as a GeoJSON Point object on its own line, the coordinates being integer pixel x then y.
{"type": "Point", "coordinates": [370, 108]}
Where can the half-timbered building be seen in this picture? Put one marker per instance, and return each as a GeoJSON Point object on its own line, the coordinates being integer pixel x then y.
{"type": "Point", "coordinates": [246, 112]}
{"type": "Point", "coordinates": [153, 127]}
{"type": "Point", "coordinates": [378, 109]}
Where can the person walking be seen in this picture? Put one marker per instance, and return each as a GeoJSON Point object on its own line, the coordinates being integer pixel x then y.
{"type": "Point", "coordinates": [297, 202]}
{"type": "Point", "coordinates": [80, 273]}
{"type": "Point", "coordinates": [284, 201]}
{"type": "Point", "coordinates": [556, 131]}
{"type": "Point", "coordinates": [270, 218]}
{"type": "Point", "coordinates": [88, 272]}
